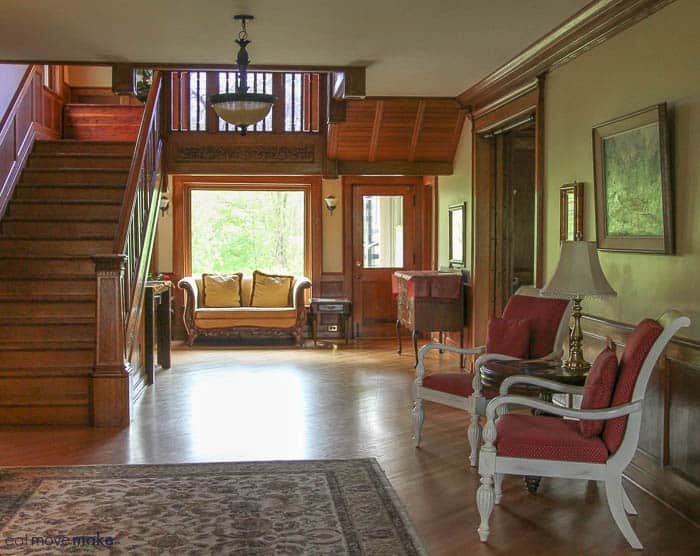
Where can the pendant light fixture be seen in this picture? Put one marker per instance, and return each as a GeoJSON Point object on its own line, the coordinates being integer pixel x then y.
{"type": "Point", "coordinates": [242, 108]}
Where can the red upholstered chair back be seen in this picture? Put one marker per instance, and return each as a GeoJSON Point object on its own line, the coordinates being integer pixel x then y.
{"type": "Point", "coordinates": [545, 314]}
{"type": "Point", "coordinates": [637, 348]}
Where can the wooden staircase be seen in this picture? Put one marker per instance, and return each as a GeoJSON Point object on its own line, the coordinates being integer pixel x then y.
{"type": "Point", "coordinates": [64, 210]}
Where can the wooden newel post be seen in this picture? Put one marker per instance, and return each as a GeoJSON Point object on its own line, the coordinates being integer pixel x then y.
{"type": "Point", "coordinates": [111, 403]}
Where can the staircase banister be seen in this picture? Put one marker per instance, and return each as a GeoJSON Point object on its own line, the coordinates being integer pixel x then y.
{"type": "Point", "coordinates": [149, 115]}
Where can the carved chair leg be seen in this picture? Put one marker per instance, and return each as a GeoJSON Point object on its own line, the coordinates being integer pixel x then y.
{"type": "Point", "coordinates": [629, 507]}
{"type": "Point", "coordinates": [615, 495]}
{"type": "Point", "coordinates": [474, 438]}
{"type": "Point", "coordinates": [498, 487]}
{"type": "Point", "coordinates": [485, 499]}
{"type": "Point", "coordinates": [418, 419]}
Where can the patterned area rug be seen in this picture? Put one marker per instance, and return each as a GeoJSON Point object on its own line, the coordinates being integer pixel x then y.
{"type": "Point", "coordinates": [294, 507]}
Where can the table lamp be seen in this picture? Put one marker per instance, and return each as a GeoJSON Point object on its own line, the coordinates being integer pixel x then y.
{"type": "Point", "coordinates": [578, 275]}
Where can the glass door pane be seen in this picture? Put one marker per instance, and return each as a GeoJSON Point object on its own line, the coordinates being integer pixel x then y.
{"type": "Point", "coordinates": [382, 231]}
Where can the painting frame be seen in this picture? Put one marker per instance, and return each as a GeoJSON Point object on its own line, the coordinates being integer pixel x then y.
{"type": "Point", "coordinates": [571, 205]}
{"type": "Point", "coordinates": [642, 134]}
{"type": "Point", "coordinates": [457, 235]}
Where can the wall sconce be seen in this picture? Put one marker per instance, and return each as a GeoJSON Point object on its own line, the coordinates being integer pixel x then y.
{"type": "Point", "coordinates": [164, 204]}
{"type": "Point", "coordinates": [331, 203]}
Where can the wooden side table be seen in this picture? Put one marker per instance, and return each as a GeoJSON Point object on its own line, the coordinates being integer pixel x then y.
{"type": "Point", "coordinates": [330, 306]}
{"type": "Point", "coordinates": [493, 373]}
{"type": "Point", "coordinates": [157, 326]}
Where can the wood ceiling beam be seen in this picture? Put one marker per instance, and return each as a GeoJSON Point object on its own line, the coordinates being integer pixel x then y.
{"type": "Point", "coordinates": [594, 24]}
{"type": "Point", "coordinates": [416, 130]}
{"type": "Point", "coordinates": [376, 128]}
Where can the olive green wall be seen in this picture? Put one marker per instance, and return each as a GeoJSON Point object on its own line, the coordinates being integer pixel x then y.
{"type": "Point", "coordinates": [657, 60]}
{"type": "Point", "coordinates": [453, 190]}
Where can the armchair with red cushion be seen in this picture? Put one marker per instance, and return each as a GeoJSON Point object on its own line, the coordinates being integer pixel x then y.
{"type": "Point", "coordinates": [532, 327]}
{"type": "Point", "coordinates": [598, 445]}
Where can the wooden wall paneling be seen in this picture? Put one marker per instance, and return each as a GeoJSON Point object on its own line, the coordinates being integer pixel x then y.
{"type": "Point", "coordinates": [417, 125]}
{"type": "Point", "coordinates": [595, 23]}
{"type": "Point", "coordinates": [394, 168]}
{"type": "Point", "coordinates": [666, 462]}
{"type": "Point", "coordinates": [29, 115]}
{"type": "Point", "coordinates": [123, 82]}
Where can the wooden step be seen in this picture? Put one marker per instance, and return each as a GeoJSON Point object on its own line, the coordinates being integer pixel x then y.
{"type": "Point", "coordinates": [36, 357]}
{"type": "Point", "coordinates": [66, 146]}
{"type": "Point", "coordinates": [72, 192]}
{"type": "Point", "coordinates": [38, 308]}
{"type": "Point", "coordinates": [58, 230]}
{"type": "Point", "coordinates": [84, 211]}
{"type": "Point", "coordinates": [16, 246]}
{"type": "Point", "coordinates": [59, 331]}
{"type": "Point", "coordinates": [29, 284]}
{"type": "Point", "coordinates": [79, 160]}
{"type": "Point", "coordinates": [41, 265]}
{"type": "Point", "coordinates": [100, 122]}
{"type": "Point", "coordinates": [38, 371]}
{"type": "Point", "coordinates": [74, 176]}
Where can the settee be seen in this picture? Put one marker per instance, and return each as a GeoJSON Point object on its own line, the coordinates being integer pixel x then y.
{"type": "Point", "coordinates": [244, 321]}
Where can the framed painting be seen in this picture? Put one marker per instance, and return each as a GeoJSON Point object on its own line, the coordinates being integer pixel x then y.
{"type": "Point", "coordinates": [633, 197]}
{"type": "Point", "coordinates": [457, 235]}
{"type": "Point", "coordinates": [571, 212]}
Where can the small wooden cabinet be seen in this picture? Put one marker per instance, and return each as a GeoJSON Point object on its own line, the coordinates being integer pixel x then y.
{"type": "Point", "coordinates": [330, 306]}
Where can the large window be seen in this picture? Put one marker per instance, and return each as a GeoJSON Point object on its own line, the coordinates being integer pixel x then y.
{"type": "Point", "coordinates": [241, 230]}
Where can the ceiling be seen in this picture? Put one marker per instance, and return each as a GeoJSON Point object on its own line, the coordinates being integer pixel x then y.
{"type": "Point", "coordinates": [411, 47]}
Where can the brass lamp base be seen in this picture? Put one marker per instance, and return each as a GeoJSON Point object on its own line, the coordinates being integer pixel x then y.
{"type": "Point", "coordinates": [576, 364]}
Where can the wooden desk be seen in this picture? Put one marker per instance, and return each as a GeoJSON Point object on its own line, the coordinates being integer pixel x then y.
{"type": "Point", "coordinates": [423, 307]}
{"type": "Point", "coordinates": [157, 325]}
{"type": "Point", "coordinates": [330, 306]}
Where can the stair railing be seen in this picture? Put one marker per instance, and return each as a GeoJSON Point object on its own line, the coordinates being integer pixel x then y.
{"type": "Point", "coordinates": [121, 276]}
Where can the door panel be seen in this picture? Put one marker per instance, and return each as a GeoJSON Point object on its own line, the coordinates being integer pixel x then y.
{"type": "Point", "coordinates": [384, 232]}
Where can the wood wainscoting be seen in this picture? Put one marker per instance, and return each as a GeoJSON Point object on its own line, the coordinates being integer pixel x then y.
{"type": "Point", "coordinates": [667, 463]}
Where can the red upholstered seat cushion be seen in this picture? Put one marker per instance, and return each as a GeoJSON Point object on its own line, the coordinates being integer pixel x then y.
{"type": "Point", "coordinates": [544, 314]}
{"type": "Point", "coordinates": [637, 348]}
{"type": "Point", "coordinates": [459, 384]}
{"type": "Point", "coordinates": [598, 390]}
{"type": "Point", "coordinates": [552, 438]}
{"type": "Point", "coordinates": [509, 337]}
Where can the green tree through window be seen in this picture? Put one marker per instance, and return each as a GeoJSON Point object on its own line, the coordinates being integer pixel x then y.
{"type": "Point", "coordinates": [243, 231]}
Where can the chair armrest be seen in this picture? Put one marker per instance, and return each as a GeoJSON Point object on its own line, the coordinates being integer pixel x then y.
{"type": "Point", "coordinates": [423, 351]}
{"type": "Point", "coordinates": [300, 286]}
{"type": "Point", "coordinates": [582, 414]}
{"type": "Point", "coordinates": [552, 385]}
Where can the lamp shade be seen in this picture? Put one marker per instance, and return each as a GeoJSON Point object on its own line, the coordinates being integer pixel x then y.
{"type": "Point", "coordinates": [578, 273]}
{"type": "Point", "coordinates": [242, 109]}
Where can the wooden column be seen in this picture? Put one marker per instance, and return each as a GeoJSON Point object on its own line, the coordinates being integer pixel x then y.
{"type": "Point", "coordinates": [111, 404]}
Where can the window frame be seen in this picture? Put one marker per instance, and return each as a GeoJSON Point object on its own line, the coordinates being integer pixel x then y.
{"type": "Point", "coordinates": [182, 241]}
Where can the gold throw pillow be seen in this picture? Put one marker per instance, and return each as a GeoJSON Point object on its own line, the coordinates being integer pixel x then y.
{"type": "Point", "coordinates": [222, 290]}
{"type": "Point", "coordinates": [271, 290]}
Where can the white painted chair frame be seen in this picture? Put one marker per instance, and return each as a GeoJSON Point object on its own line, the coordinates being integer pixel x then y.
{"type": "Point", "coordinates": [475, 405]}
{"type": "Point", "coordinates": [493, 467]}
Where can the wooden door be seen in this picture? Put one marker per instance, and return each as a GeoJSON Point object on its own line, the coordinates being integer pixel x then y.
{"type": "Point", "coordinates": [384, 240]}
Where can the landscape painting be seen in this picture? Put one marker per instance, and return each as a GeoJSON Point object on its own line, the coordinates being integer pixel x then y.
{"type": "Point", "coordinates": [633, 208]}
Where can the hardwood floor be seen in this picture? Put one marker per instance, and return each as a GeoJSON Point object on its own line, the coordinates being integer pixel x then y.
{"type": "Point", "coordinates": [219, 404]}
